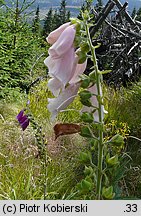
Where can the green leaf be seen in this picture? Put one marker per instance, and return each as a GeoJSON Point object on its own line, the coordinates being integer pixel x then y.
{"type": "Point", "coordinates": [84, 47]}
{"type": "Point", "coordinates": [86, 102]}
{"type": "Point", "coordinates": [84, 157]}
{"type": "Point", "coordinates": [85, 132]}
{"type": "Point", "coordinates": [75, 20]}
{"type": "Point", "coordinates": [104, 72]}
{"type": "Point", "coordinates": [97, 46]}
{"type": "Point", "coordinates": [86, 185]}
{"type": "Point", "coordinates": [85, 82]}
{"type": "Point", "coordinates": [108, 192]}
{"type": "Point", "coordinates": [77, 41]}
{"type": "Point", "coordinates": [85, 95]}
{"type": "Point", "coordinates": [92, 76]}
{"type": "Point", "coordinates": [117, 140]}
{"type": "Point", "coordinates": [88, 171]}
{"type": "Point", "coordinates": [93, 144]}
{"type": "Point", "coordinates": [82, 57]}
{"type": "Point", "coordinates": [87, 117]}
{"type": "Point", "coordinates": [112, 160]}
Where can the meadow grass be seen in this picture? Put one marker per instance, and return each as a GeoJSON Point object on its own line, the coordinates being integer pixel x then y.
{"type": "Point", "coordinates": [124, 106]}
{"type": "Point", "coordinates": [21, 170]}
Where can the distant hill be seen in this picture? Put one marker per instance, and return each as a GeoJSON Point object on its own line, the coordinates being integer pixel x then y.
{"type": "Point", "coordinates": [50, 3]}
{"type": "Point", "coordinates": [73, 5]}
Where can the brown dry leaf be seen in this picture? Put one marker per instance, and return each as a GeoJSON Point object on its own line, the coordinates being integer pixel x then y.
{"type": "Point", "coordinates": [65, 129]}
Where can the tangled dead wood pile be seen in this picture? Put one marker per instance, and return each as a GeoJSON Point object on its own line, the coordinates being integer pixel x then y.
{"type": "Point", "coordinates": [120, 39]}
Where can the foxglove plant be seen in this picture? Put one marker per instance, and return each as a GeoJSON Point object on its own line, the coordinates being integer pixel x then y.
{"type": "Point", "coordinates": [66, 63]}
{"type": "Point", "coordinates": [23, 120]}
{"type": "Point", "coordinates": [64, 68]}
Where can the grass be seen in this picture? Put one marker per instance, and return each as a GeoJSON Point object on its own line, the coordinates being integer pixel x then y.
{"type": "Point", "coordinates": [21, 171]}
{"type": "Point", "coordinates": [124, 106]}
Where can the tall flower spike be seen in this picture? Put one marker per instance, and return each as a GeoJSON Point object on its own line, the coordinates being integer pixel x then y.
{"type": "Point", "coordinates": [64, 69]}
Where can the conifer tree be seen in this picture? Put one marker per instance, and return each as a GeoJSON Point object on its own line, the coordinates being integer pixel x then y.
{"type": "Point", "coordinates": [48, 23]}
{"type": "Point", "coordinates": [99, 5]}
{"type": "Point", "coordinates": [85, 6]}
{"type": "Point", "coordinates": [68, 16]}
{"type": "Point", "coordinates": [55, 18]}
{"type": "Point", "coordinates": [36, 21]}
{"type": "Point", "coordinates": [18, 47]}
{"type": "Point", "coordinates": [139, 15]}
{"type": "Point", "coordinates": [62, 12]}
{"type": "Point", "coordinates": [1, 2]}
{"type": "Point", "coordinates": [133, 13]}
{"type": "Point", "coordinates": [64, 15]}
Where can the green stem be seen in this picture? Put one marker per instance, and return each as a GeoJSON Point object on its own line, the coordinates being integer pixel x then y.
{"type": "Point", "coordinates": [45, 176]}
{"type": "Point", "coordinates": [100, 111]}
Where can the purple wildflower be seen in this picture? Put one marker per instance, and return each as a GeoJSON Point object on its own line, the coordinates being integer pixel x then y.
{"type": "Point", "coordinates": [20, 115]}
{"type": "Point", "coordinates": [25, 124]}
{"type": "Point", "coordinates": [23, 120]}
{"type": "Point", "coordinates": [28, 102]}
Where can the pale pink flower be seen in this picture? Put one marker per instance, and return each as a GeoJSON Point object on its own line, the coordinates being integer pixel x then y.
{"type": "Point", "coordinates": [54, 35]}
{"type": "Point", "coordinates": [61, 67]}
{"type": "Point", "coordinates": [78, 70]}
{"type": "Point", "coordinates": [63, 100]}
{"type": "Point", "coordinates": [64, 69]}
{"type": "Point", "coordinates": [55, 85]}
{"type": "Point", "coordinates": [62, 61]}
{"type": "Point", "coordinates": [64, 42]}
